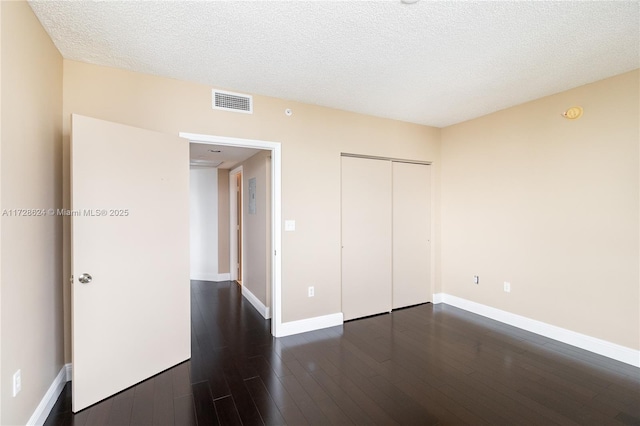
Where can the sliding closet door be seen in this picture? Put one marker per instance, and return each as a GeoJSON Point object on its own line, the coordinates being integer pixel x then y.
{"type": "Point", "coordinates": [366, 237]}
{"type": "Point", "coordinates": [411, 234]}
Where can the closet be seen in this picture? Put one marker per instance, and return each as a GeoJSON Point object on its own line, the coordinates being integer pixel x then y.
{"type": "Point", "coordinates": [386, 223]}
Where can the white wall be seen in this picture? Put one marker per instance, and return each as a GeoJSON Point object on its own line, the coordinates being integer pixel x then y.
{"type": "Point", "coordinates": [203, 200]}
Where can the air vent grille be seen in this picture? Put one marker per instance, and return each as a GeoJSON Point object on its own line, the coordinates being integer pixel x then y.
{"type": "Point", "coordinates": [230, 101]}
{"type": "Point", "coordinates": [205, 163]}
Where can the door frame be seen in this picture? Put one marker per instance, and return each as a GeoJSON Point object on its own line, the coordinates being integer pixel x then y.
{"type": "Point", "coordinates": [233, 218]}
{"type": "Point", "coordinates": [276, 212]}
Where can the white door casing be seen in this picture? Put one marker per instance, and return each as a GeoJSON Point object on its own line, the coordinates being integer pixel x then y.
{"type": "Point", "coordinates": [276, 214]}
{"type": "Point", "coordinates": [235, 242]}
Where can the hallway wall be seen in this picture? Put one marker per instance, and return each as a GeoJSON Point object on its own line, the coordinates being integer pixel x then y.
{"type": "Point", "coordinates": [203, 223]}
{"type": "Point", "coordinates": [223, 221]}
{"type": "Point", "coordinates": [256, 275]}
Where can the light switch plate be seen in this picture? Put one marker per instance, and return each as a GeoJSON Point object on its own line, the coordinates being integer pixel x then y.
{"type": "Point", "coordinates": [289, 225]}
{"type": "Point", "coordinates": [17, 383]}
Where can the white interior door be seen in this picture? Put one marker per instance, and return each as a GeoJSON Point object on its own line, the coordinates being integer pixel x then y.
{"type": "Point", "coordinates": [366, 237]}
{"type": "Point", "coordinates": [411, 234]}
{"type": "Point", "coordinates": [130, 232]}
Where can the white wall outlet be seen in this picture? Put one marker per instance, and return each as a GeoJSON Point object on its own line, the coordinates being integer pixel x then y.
{"type": "Point", "coordinates": [476, 279]}
{"type": "Point", "coordinates": [17, 383]}
{"type": "Point", "coordinates": [289, 225]}
{"type": "Point", "coordinates": [507, 287]}
{"type": "Point", "coordinates": [311, 291]}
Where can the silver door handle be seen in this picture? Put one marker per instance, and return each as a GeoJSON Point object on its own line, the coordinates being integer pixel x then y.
{"type": "Point", "coordinates": [85, 278]}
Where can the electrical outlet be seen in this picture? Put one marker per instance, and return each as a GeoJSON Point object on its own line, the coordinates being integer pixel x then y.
{"type": "Point", "coordinates": [17, 383]}
{"type": "Point", "coordinates": [476, 279]}
{"type": "Point", "coordinates": [507, 287]}
{"type": "Point", "coordinates": [311, 291]}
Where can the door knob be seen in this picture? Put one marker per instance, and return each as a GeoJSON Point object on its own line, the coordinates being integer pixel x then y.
{"type": "Point", "coordinates": [85, 278]}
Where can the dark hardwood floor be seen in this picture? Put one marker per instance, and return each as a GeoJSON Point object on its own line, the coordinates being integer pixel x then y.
{"type": "Point", "coordinates": [417, 366]}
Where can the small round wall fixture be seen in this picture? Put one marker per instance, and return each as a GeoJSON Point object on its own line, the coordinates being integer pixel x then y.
{"type": "Point", "coordinates": [288, 112]}
{"type": "Point", "coordinates": [573, 113]}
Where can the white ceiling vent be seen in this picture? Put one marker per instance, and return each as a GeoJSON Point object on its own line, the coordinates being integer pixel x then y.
{"type": "Point", "coordinates": [230, 101]}
{"type": "Point", "coordinates": [205, 163]}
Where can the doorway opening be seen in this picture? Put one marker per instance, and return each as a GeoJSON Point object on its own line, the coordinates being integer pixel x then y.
{"type": "Point", "coordinates": [274, 206]}
{"type": "Point", "coordinates": [235, 239]}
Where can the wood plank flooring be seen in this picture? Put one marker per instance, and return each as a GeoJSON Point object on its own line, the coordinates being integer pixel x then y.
{"type": "Point", "coordinates": [417, 366]}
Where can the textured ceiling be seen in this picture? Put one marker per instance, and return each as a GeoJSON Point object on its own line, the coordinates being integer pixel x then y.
{"type": "Point", "coordinates": [433, 63]}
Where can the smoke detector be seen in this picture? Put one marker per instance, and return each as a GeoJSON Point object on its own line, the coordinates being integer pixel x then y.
{"type": "Point", "coordinates": [573, 113]}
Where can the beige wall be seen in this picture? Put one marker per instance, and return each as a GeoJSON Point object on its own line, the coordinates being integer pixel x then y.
{"type": "Point", "coordinates": [552, 206]}
{"type": "Point", "coordinates": [31, 276]}
{"type": "Point", "coordinates": [223, 221]}
{"type": "Point", "coordinates": [1, 376]}
{"type": "Point", "coordinates": [312, 139]}
{"type": "Point", "coordinates": [254, 232]}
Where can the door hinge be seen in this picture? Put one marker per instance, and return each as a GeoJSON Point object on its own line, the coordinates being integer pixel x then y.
{"type": "Point", "coordinates": [71, 279]}
{"type": "Point", "coordinates": [237, 227]}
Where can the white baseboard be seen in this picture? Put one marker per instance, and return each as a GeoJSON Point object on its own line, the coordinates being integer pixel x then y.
{"type": "Point", "coordinates": [210, 277]}
{"type": "Point", "coordinates": [310, 324]}
{"type": "Point", "coordinates": [41, 413]}
{"type": "Point", "coordinates": [582, 341]}
{"type": "Point", "coordinates": [264, 311]}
